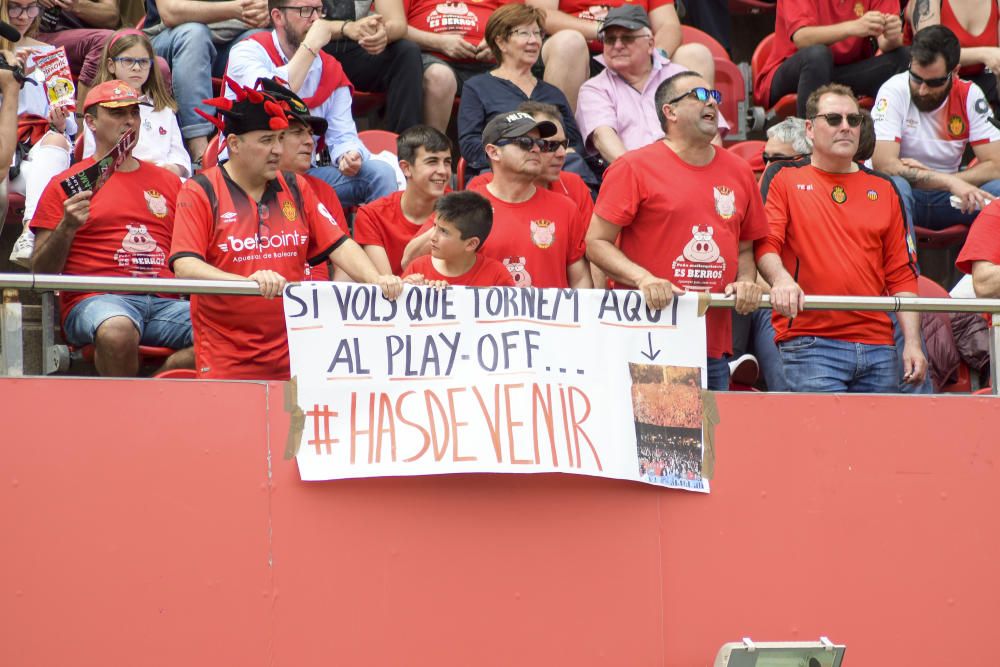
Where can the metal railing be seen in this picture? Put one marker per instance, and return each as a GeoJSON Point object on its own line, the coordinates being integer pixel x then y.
{"type": "Point", "coordinates": [10, 317]}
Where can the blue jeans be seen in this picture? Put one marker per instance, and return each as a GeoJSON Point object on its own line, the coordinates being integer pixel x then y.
{"type": "Point", "coordinates": [828, 365]}
{"type": "Point", "coordinates": [375, 180]}
{"type": "Point", "coordinates": [718, 374]}
{"type": "Point", "coordinates": [932, 209]}
{"type": "Point", "coordinates": [194, 60]}
{"type": "Point", "coordinates": [762, 346]}
{"type": "Point", "coordinates": [927, 386]}
{"type": "Point", "coordinates": [161, 322]}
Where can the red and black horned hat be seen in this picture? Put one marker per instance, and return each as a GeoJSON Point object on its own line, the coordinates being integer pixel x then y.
{"type": "Point", "coordinates": [251, 110]}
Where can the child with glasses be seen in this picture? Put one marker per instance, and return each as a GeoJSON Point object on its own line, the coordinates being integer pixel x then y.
{"type": "Point", "coordinates": [129, 56]}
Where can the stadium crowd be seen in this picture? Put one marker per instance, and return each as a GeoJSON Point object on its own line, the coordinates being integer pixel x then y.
{"type": "Point", "coordinates": [217, 140]}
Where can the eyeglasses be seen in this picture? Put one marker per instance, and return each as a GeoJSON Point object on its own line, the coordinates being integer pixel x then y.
{"type": "Point", "coordinates": [626, 40]}
{"type": "Point", "coordinates": [703, 95]}
{"type": "Point", "coordinates": [306, 12]}
{"type": "Point", "coordinates": [528, 34]}
{"type": "Point", "coordinates": [551, 146]}
{"type": "Point", "coordinates": [917, 79]}
{"type": "Point", "coordinates": [134, 63]}
{"type": "Point", "coordinates": [835, 119]}
{"type": "Point", "coordinates": [32, 10]}
{"type": "Point", "coordinates": [524, 143]}
{"type": "Point", "coordinates": [768, 158]}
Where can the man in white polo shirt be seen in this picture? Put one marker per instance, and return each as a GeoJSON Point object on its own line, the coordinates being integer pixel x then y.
{"type": "Point", "coordinates": [924, 119]}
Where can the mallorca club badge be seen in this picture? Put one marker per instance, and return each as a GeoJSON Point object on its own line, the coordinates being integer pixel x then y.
{"type": "Point", "coordinates": [838, 194]}
{"type": "Point", "coordinates": [956, 126]}
{"type": "Point", "coordinates": [288, 210]}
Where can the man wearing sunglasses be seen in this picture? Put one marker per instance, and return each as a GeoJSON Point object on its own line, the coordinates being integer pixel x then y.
{"type": "Point", "coordinates": [537, 234]}
{"type": "Point", "coordinates": [837, 228]}
{"type": "Point", "coordinates": [924, 121]}
{"type": "Point", "coordinates": [293, 51]}
{"type": "Point", "coordinates": [616, 110]}
{"type": "Point", "coordinates": [685, 214]}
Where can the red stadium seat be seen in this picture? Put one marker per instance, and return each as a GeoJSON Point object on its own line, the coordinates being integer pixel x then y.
{"type": "Point", "coordinates": [692, 35]}
{"type": "Point", "coordinates": [460, 175]}
{"type": "Point", "coordinates": [379, 140]}
{"type": "Point", "coordinates": [210, 157]}
{"type": "Point", "coordinates": [365, 104]}
{"type": "Point", "coordinates": [729, 81]}
{"type": "Point", "coordinates": [751, 151]}
{"type": "Point", "coordinates": [15, 209]}
{"type": "Point", "coordinates": [941, 238]}
{"type": "Point", "coordinates": [786, 105]}
{"type": "Point", "coordinates": [78, 147]}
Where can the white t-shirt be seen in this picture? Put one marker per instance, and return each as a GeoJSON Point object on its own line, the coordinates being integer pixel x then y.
{"type": "Point", "coordinates": [159, 142]}
{"type": "Point", "coordinates": [936, 138]}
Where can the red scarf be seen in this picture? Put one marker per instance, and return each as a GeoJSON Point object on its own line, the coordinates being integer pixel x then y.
{"type": "Point", "coordinates": [331, 77]}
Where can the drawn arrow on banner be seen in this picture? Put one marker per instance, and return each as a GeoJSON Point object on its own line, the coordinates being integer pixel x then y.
{"type": "Point", "coordinates": [651, 355]}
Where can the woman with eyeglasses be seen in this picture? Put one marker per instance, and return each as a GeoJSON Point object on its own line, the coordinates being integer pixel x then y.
{"type": "Point", "coordinates": [129, 56]}
{"type": "Point", "coordinates": [35, 163]}
{"type": "Point", "coordinates": [514, 35]}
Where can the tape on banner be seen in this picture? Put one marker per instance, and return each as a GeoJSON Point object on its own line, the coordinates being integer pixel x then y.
{"type": "Point", "coordinates": [709, 420]}
{"type": "Point", "coordinates": [297, 419]}
{"type": "Point", "coordinates": [704, 299]}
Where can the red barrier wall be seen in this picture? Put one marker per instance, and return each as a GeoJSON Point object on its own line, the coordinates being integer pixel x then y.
{"type": "Point", "coordinates": [155, 523]}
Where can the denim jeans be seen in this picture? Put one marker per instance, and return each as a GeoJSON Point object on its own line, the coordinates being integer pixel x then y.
{"type": "Point", "coordinates": [814, 364]}
{"type": "Point", "coordinates": [932, 209]}
{"type": "Point", "coordinates": [375, 180]}
{"type": "Point", "coordinates": [194, 60]}
{"type": "Point", "coordinates": [160, 322]}
{"type": "Point", "coordinates": [925, 387]}
{"type": "Point", "coordinates": [718, 374]}
{"type": "Point", "coordinates": [762, 346]}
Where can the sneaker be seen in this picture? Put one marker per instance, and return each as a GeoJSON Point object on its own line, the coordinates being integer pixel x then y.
{"type": "Point", "coordinates": [23, 247]}
{"type": "Point", "coordinates": [744, 370]}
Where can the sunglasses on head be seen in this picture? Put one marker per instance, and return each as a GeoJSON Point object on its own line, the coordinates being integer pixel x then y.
{"type": "Point", "coordinates": [768, 158]}
{"type": "Point", "coordinates": [702, 94]}
{"type": "Point", "coordinates": [930, 83]}
{"type": "Point", "coordinates": [835, 119]}
{"type": "Point", "coordinates": [525, 143]}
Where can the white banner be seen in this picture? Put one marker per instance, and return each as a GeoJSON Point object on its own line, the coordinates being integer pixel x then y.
{"type": "Point", "coordinates": [499, 379]}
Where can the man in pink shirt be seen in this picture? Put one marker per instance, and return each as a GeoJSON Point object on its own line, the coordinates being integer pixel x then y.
{"type": "Point", "coordinates": [615, 110]}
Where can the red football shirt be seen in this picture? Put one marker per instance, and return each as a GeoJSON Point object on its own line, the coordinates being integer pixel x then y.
{"type": "Point", "coordinates": [839, 234]}
{"type": "Point", "coordinates": [382, 223]}
{"type": "Point", "coordinates": [125, 235]}
{"type": "Point", "coordinates": [591, 12]}
{"type": "Point", "coordinates": [465, 18]}
{"type": "Point", "coordinates": [536, 239]}
{"type": "Point", "coordinates": [328, 197]}
{"type": "Point", "coordinates": [486, 272]}
{"type": "Point", "coordinates": [244, 337]}
{"type": "Point", "coordinates": [569, 185]}
{"type": "Point", "coordinates": [794, 14]}
{"type": "Point", "coordinates": [685, 223]}
{"type": "Point", "coordinates": [983, 242]}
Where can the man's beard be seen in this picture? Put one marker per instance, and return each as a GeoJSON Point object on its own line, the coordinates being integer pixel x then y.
{"type": "Point", "coordinates": [932, 101]}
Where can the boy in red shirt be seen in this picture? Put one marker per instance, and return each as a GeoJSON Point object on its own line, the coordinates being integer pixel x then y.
{"type": "Point", "coordinates": [462, 222]}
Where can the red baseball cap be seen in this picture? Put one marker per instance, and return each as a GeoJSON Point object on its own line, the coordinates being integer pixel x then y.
{"type": "Point", "coordinates": [113, 94]}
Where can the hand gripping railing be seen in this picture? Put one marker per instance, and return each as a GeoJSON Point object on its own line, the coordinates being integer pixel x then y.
{"type": "Point", "coordinates": [41, 282]}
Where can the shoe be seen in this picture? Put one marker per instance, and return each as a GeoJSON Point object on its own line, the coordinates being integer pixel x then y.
{"type": "Point", "coordinates": [745, 370]}
{"type": "Point", "coordinates": [23, 247]}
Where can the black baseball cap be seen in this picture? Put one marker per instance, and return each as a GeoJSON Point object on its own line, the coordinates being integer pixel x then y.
{"type": "Point", "coordinates": [515, 124]}
{"type": "Point", "coordinates": [630, 17]}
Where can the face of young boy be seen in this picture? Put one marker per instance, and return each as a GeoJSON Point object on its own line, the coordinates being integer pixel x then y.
{"type": "Point", "coordinates": [430, 172]}
{"type": "Point", "coordinates": [447, 243]}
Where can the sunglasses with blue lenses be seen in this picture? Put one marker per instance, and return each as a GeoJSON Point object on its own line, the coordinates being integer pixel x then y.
{"type": "Point", "coordinates": [702, 94]}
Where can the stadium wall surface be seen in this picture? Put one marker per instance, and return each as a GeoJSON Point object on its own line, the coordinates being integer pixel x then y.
{"type": "Point", "coordinates": [155, 523]}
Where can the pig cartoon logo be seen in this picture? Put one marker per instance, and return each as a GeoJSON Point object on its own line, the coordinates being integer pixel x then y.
{"type": "Point", "coordinates": [139, 252]}
{"type": "Point", "coordinates": [516, 267]}
{"type": "Point", "coordinates": [452, 17]}
{"type": "Point", "coordinates": [595, 13]}
{"type": "Point", "coordinates": [156, 203]}
{"type": "Point", "coordinates": [725, 201]}
{"type": "Point", "coordinates": [702, 248]}
{"type": "Point", "coordinates": [543, 233]}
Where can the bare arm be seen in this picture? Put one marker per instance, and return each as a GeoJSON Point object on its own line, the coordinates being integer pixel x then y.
{"type": "Point", "coordinates": [866, 26]}
{"type": "Point", "coordinates": [378, 257]}
{"type": "Point", "coordinates": [556, 20]}
{"type": "Point", "coordinates": [886, 159]}
{"type": "Point", "coordinates": [578, 274]}
{"type": "Point", "coordinates": [914, 361]}
{"type": "Point", "coordinates": [418, 246]}
{"type": "Point", "coordinates": [394, 18]}
{"type": "Point", "coordinates": [786, 295]}
{"type": "Point", "coordinates": [52, 246]}
{"type": "Point", "coordinates": [356, 263]}
{"type": "Point", "coordinates": [666, 24]}
{"type": "Point", "coordinates": [608, 143]}
{"type": "Point", "coordinates": [601, 250]}
{"type": "Point", "coordinates": [97, 13]}
{"type": "Point", "coordinates": [8, 113]}
{"type": "Point", "coordinates": [175, 12]}
{"type": "Point", "coordinates": [988, 167]}
{"type": "Point", "coordinates": [923, 13]}
{"type": "Point", "coordinates": [986, 279]}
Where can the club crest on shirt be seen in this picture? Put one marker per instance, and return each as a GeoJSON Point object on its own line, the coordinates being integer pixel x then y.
{"type": "Point", "coordinates": [872, 195]}
{"type": "Point", "coordinates": [859, 9]}
{"type": "Point", "coordinates": [543, 233]}
{"type": "Point", "coordinates": [288, 210]}
{"type": "Point", "coordinates": [956, 126]}
{"type": "Point", "coordinates": [838, 194]}
{"type": "Point", "coordinates": [517, 271]}
{"type": "Point", "coordinates": [725, 201]}
{"type": "Point", "coordinates": [156, 203]}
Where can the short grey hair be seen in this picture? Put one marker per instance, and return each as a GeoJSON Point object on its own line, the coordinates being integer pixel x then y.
{"type": "Point", "coordinates": [792, 131]}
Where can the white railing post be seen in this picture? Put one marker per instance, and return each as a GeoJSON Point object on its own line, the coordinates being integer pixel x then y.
{"type": "Point", "coordinates": [11, 335]}
{"type": "Point", "coordinates": [994, 350]}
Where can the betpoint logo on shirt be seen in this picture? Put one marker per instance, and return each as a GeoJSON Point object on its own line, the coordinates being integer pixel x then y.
{"type": "Point", "coordinates": [258, 242]}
